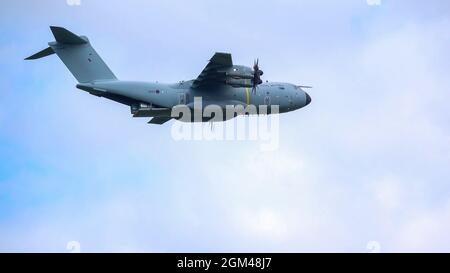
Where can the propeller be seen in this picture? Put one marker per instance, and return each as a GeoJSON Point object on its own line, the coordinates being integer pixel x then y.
{"type": "Point", "coordinates": [257, 73]}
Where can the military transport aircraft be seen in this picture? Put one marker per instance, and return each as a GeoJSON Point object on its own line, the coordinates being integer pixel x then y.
{"type": "Point", "coordinates": [220, 83]}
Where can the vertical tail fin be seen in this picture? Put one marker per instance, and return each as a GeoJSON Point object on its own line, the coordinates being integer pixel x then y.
{"type": "Point", "coordinates": [78, 55]}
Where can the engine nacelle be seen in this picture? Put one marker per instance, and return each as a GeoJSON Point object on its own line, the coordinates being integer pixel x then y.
{"type": "Point", "coordinates": [240, 83]}
{"type": "Point", "coordinates": [235, 75]}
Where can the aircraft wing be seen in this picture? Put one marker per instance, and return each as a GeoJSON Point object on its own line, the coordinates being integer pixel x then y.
{"type": "Point", "coordinates": [212, 75]}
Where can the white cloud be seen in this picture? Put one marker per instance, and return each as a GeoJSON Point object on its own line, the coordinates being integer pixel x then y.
{"type": "Point", "coordinates": [366, 161]}
{"type": "Point", "coordinates": [388, 193]}
{"type": "Point", "coordinates": [373, 2]}
{"type": "Point", "coordinates": [262, 224]}
{"type": "Point", "coordinates": [426, 231]}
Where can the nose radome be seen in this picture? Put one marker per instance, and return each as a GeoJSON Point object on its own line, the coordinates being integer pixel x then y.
{"type": "Point", "coordinates": [308, 99]}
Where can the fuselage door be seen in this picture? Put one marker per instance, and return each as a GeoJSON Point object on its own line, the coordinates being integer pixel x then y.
{"type": "Point", "coordinates": [182, 98]}
{"type": "Point", "coordinates": [267, 100]}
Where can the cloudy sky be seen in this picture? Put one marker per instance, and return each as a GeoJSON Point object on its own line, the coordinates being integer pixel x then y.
{"type": "Point", "coordinates": [365, 167]}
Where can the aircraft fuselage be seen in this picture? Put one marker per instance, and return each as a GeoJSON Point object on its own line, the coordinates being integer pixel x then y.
{"type": "Point", "coordinates": [287, 97]}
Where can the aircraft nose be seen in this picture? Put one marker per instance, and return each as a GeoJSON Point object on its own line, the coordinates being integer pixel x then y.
{"type": "Point", "coordinates": [308, 99]}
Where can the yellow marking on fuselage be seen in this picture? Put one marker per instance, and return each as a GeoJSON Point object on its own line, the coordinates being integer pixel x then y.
{"type": "Point", "coordinates": [247, 94]}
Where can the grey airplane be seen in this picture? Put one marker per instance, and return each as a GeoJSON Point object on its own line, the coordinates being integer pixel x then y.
{"type": "Point", "coordinates": [220, 83]}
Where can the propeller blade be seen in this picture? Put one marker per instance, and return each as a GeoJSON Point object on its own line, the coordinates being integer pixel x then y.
{"type": "Point", "coordinates": [257, 73]}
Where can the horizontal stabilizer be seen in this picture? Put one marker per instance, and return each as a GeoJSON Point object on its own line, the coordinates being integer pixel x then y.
{"type": "Point", "coordinates": [41, 54]}
{"type": "Point", "coordinates": [159, 120]}
{"type": "Point", "coordinates": [64, 36]}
